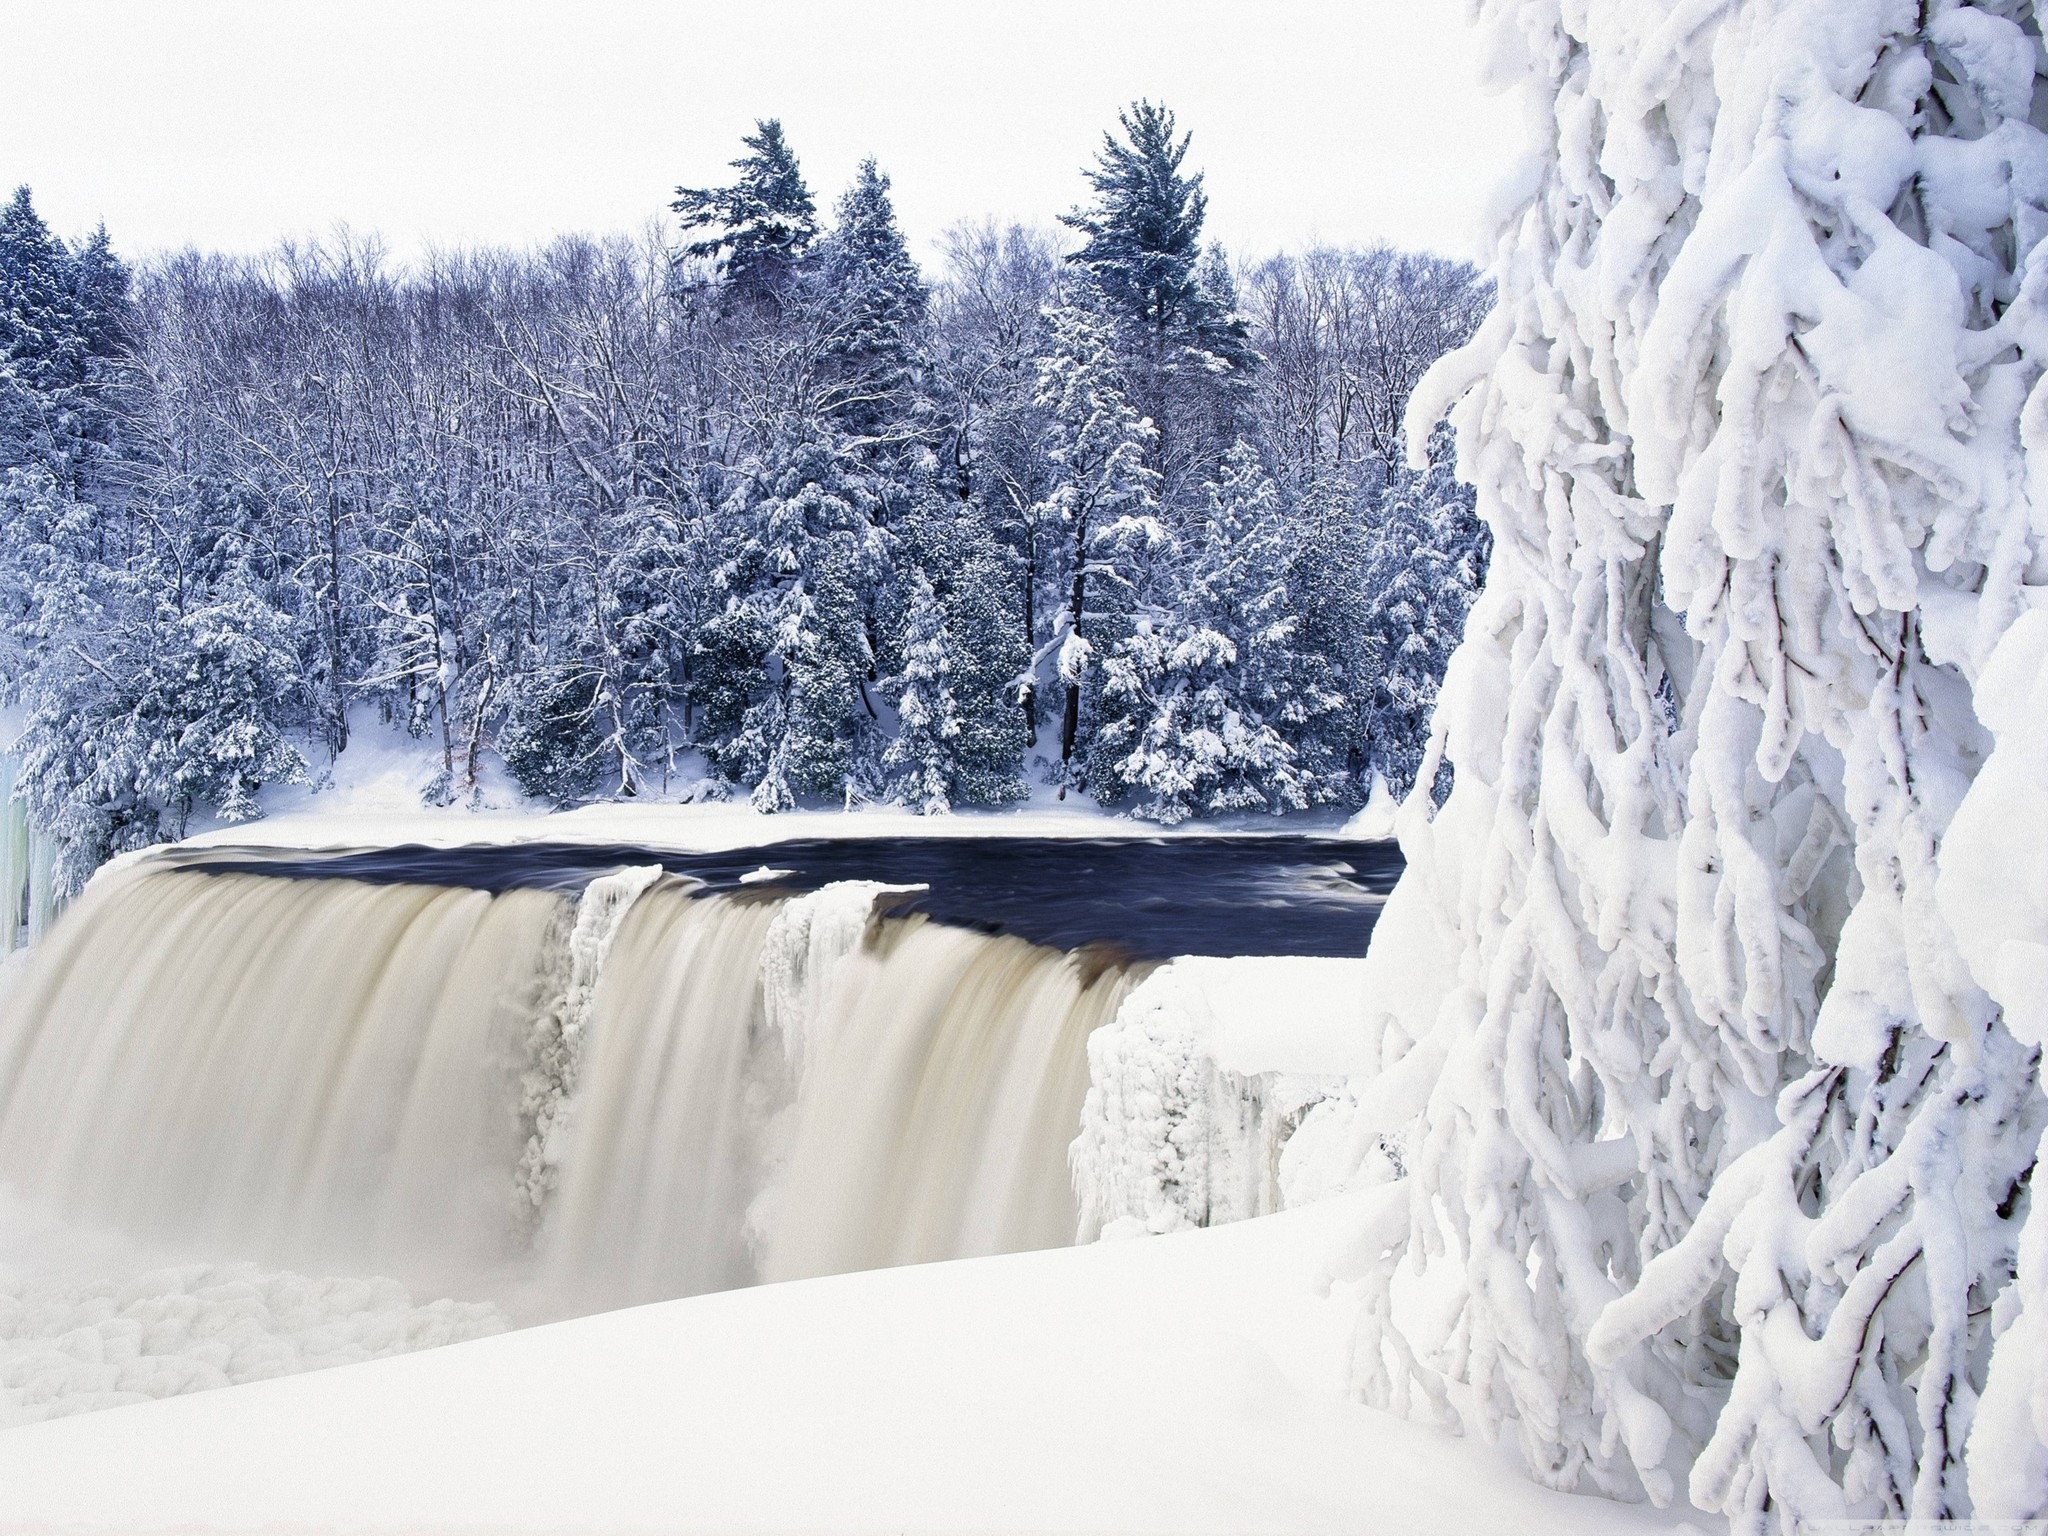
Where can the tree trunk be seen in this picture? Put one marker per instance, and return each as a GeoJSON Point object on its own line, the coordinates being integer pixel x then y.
{"type": "Point", "coordinates": [1027, 697]}
{"type": "Point", "coordinates": [1070, 721]}
{"type": "Point", "coordinates": [337, 649]}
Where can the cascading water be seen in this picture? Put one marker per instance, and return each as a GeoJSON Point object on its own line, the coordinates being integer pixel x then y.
{"type": "Point", "coordinates": [549, 1078]}
{"type": "Point", "coordinates": [559, 1103]}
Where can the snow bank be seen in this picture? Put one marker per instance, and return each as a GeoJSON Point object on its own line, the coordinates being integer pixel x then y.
{"type": "Point", "coordinates": [1199, 1084]}
{"type": "Point", "coordinates": [1375, 820]}
{"type": "Point", "coordinates": [381, 810]}
{"type": "Point", "coordinates": [1190, 1384]}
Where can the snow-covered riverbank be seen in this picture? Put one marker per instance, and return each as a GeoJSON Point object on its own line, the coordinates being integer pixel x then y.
{"type": "Point", "coordinates": [1186, 1383]}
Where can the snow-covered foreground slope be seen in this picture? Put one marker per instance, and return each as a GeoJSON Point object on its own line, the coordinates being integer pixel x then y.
{"type": "Point", "coordinates": [1184, 1383]}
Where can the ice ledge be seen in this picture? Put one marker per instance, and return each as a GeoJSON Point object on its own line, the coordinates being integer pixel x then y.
{"type": "Point", "coordinates": [1198, 1086]}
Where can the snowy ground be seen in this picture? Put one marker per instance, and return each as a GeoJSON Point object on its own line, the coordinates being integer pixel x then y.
{"type": "Point", "coordinates": [702, 826]}
{"type": "Point", "coordinates": [1187, 1383]}
{"type": "Point", "coordinates": [371, 796]}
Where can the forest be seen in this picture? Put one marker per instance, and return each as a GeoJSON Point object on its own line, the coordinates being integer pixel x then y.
{"type": "Point", "coordinates": [748, 505]}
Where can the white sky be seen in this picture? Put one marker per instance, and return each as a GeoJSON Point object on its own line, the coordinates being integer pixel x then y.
{"type": "Point", "coordinates": [225, 123]}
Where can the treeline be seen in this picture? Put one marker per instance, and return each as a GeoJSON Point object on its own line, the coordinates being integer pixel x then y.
{"type": "Point", "coordinates": [750, 505]}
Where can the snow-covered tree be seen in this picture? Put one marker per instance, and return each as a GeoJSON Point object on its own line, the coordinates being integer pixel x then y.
{"type": "Point", "coordinates": [806, 557]}
{"type": "Point", "coordinates": [150, 714]}
{"type": "Point", "coordinates": [45, 344]}
{"type": "Point", "coordinates": [737, 712]}
{"type": "Point", "coordinates": [1426, 561]}
{"type": "Point", "coordinates": [960, 735]}
{"type": "Point", "coordinates": [878, 303]}
{"type": "Point", "coordinates": [1712, 1039]}
{"type": "Point", "coordinates": [920, 759]}
{"type": "Point", "coordinates": [761, 226]}
{"type": "Point", "coordinates": [1104, 498]}
{"type": "Point", "coordinates": [831, 741]}
{"type": "Point", "coordinates": [989, 661]}
{"type": "Point", "coordinates": [1143, 241]}
{"type": "Point", "coordinates": [1183, 346]}
{"type": "Point", "coordinates": [1199, 702]}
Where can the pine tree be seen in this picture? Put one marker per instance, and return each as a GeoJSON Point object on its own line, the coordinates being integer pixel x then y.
{"type": "Point", "coordinates": [1427, 561]}
{"type": "Point", "coordinates": [1103, 499]}
{"type": "Point", "coordinates": [922, 757]}
{"type": "Point", "coordinates": [962, 637]}
{"type": "Point", "coordinates": [805, 560]}
{"type": "Point", "coordinates": [737, 710]}
{"type": "Point", "coordinates": [1185, 349]}
{"type": "Point", "coordinates": [831, 742]}
{"type": "Point", "coordinates": [1195, 699]}
{"type": "Point", "coordinates": [989, 661]}
{"type": "Point", "coordinates": [1144, 239]}
{"type": "Point", "coordinates": [549, 739]}
{"type": "Point", "coordinates": [878, 304]}
{"type": "Point", "coordinates": [760, 227]}
{"type": "Point", "coordinates": [45, 343]}
{"type": "Point", "coordinates": [101, 283]}
{"type": "Point", "coordinates": [1329, 596]}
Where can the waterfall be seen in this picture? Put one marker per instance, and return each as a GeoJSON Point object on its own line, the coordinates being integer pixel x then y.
{"type": "Point", "coordinates": [558, 1102]}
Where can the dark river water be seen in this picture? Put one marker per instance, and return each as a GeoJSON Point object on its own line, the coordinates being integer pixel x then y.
{"type": "Point", "coordinates": [1149, 897]}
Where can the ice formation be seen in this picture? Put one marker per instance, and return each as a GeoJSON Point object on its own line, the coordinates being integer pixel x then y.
{"type": "Point", "coordinates": [1716, 988]}
{"type": "Point", "coordinates": [1170, 1136]}
{"type": "Point", "coordinates": [71, 1347]}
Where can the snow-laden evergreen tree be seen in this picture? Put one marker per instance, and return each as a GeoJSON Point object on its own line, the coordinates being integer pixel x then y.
{"type": "Point", "coordinates": [960, 736]}
{"type": "Point", "coordinates": [735, 708]}
{"type": "Point", "coordinates": [45, 342]}
{"type": "Point", "coordinates": [831, 740]}
{"type": "Point", "coordinates": [1143, 241]}
{"type": "Point", "coordinates": [805, 558]}
{"type": "Point", "coordinates": [990, 661]}
{"type": "Point", "coordinates": [1104, 497]}
{"type": "Point", "coordinates": [150, 714]}
{"type": "Point", "coordinates": [1709, 1011]}
{"type": "Point", "coordinates": [60, 321]}
{"type": "Point", "coordinates": [1426, 555]}
{"type": "Point", "coordinates": [759, 228]}
{"type": "Point", "coordinates": [1185, 348]}
{"type": "Point", "coordinates": [549, 738]}
{"type": "Point", "coordinates": [920, 759]}
{"type": "Point", "coordinates": [101, 284]}
{"type": "Point", "coordinates": [878, 303]}
{"type": "Point", "coordinates": [1329, 593]}
{"type": "Point", "coordinates": [1200, 700]}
